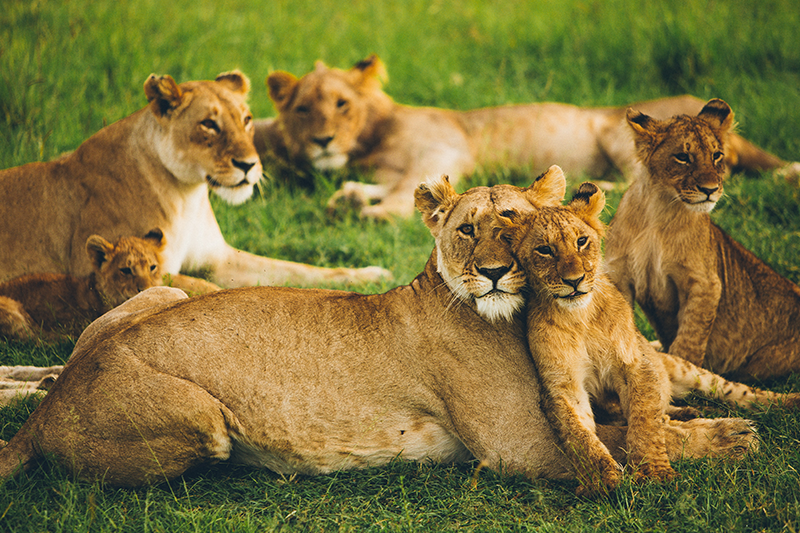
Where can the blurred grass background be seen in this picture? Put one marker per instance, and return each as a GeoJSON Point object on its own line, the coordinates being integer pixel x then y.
{"type": "Point", "coordinates": [70, 67]}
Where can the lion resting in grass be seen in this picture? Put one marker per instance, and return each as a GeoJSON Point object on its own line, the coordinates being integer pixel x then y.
{"type": "Point", "coordinates": [151, 169]}
{"type": "Point", "coordinates": [333, 118]}
{"type": "Point", "coordinates": [586, 347]}
{"type": "Point", "coordinates": [709, 300]}
{"type": "Point", "coordinates": [314, 381]}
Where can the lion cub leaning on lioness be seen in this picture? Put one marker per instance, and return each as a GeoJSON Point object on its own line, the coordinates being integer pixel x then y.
{"type": "Point", "coordinates": [709, 300]}
{"type": "Point", "coordinates": [56, 306]}
{"type": "Point", "coordinates": [585, 344]}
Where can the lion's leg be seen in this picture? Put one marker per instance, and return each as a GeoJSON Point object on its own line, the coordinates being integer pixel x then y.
{"type": "Point", "coordinates": [130, 427]}
{"type": "Point", "coordinates": [775, 360]}
{"type": "Point", "coordinates": [743, 155]}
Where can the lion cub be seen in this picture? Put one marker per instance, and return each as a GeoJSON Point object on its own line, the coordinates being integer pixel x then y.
{"type": "Point", "coordinates": [587, 349]}
{"type": "Point", "coordinates": [709, 300]}
{"type": "Point", "coordinates": [60, 305]}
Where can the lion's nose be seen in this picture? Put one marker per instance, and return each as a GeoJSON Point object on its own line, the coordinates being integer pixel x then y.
{"type": "Point", "coordinates": [323, 141]}
{"type": "Point", "coordinates": [244, 166]}
{"type": "Point", "coordinates": [708, 191]}
{"type": "Point", "coordinates": [494, 274]}
{"type": "Point", "coordinates": [573, 282]}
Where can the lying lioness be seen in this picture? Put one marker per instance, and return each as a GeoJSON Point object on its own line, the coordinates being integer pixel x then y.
{"type": "Point", "coordinates": [332, 118]}
{"type": "Point", "coordinates": [153, 168]}
{"type": "Point", "coordinates": [313, 381]}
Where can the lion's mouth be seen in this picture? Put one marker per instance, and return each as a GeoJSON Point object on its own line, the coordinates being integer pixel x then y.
{"type": "Point", "coordinates": [574, 295]}
{"type": "Point", "coordinates": [214, 184]}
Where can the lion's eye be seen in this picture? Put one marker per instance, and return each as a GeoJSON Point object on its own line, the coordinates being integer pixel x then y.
{"type": "Point", "coordinates": [582, 241]}
{"type": "Point", "coordinates": [467, 229]}
{"type": "Point", "coordinates": [302, 109]}
{"type": "Point", "coordinates": [210, 125]}
{"type": "Point", "coordinates": [248, 119]}
{"type": "Point", "coordinates": [127, 271]}
{"type": "Point", "coordinates": [153, 268]}
{"type": "Point", "coordinates": [544, 250]}
{"type": "Point", "coordinates": [341, 102]}
{"type": "Point", "coordinates": [682, 158]}
{"type": "Point", "coordinates": [718, 156]}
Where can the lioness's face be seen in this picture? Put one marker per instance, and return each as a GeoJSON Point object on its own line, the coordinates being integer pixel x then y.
{"type": "Point", "coordinates": [208, 135]}
{"type": "Point", "coordinates": [560, 255]}
{"type": "Point", "coordinates": [691, 162]}
{"type": "Point", "coordinates": [322, 115]}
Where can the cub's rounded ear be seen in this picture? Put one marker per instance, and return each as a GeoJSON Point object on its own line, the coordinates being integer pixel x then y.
{"type": "Point", "coordinates": [434, 198]}
{"type": "Point", "coordinates": [640, 123]}
{"type": "Point", "coordinates": [234, 81]}
{"type": "Point", "coordinates": [163, 94]}
{"type": "Point", "coordinates": [718, 114]}
{"type": "Point", "coordinates": [97, 248]}
{"type": "Point", "coordinates": [156, 236]}
{"type": "Point", "coordinates": [548, 189]}
{"type": "Point", "coordinates": [587, 203]}
{"type": "Point", "coordinates": [281, 87]}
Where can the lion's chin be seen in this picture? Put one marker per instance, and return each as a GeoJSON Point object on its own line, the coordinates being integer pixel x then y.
{"type": "Point", "coordinates": [575, 303]}
{"type": "Point", "coordinates": [495, 305]}
{"type": "Point", "coordinates": [701, 207]}
{"type": "Point", "coordinates": [329, 161]}
{"type": "Point", "coordinates": [238, 194]}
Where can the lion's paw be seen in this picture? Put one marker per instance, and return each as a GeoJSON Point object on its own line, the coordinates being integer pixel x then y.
{"type": "Point", "coordinates": [703, 437]}
{"type": "Point", "coordinates": [790, 172]}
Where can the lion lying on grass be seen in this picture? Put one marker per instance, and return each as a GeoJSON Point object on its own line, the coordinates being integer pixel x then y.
{"type": "Point", "coordinates": [151, 169]}
{"type": "Point", "coordinates": [313, 381]}
{"type": "Point", "coordinates": [332, 118]}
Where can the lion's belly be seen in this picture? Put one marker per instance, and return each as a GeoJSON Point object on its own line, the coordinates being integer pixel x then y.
{"type": "Point", "coordinates": [333, 449]}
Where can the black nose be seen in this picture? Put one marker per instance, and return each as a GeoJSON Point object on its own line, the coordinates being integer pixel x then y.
{"type": "Point", "coordinates": [493, 274]}
{"type": "Point", "coordinates": [243, 165]}
{"type": "Point", "coordinates": [573, 282]}
{"type": "Point", "coordinates": [707, 191]}
{"type": "Point", "coordinates": [322, 141]}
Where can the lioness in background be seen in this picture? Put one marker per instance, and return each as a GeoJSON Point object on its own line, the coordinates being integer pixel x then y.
{"type": "Point", "coordinates": [151, 169]}
{"type": "Point", "coordinates": [314, 381]}
{"type": "Point", "coordinates": [331, 118]}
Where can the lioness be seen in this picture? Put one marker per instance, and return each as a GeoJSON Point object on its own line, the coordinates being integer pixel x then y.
{"type": "Point", "coordinates": [585, 344]}
{"type": "Point", "coordinates": [151, 169]}
{"type": "Point", "coordinates": [61, 305]}
{"type": "Point", "coordinates": [331, 118]}
{"type": "Point", "coordinates": [710, 301]}
{"type": "Point", "coordinates": [313, 381]}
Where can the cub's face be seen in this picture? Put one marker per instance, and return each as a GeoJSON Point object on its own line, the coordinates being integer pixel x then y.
{"type": "Point", "coordinates": [685, 155]}
{"type": "Point", "coordinates": [560, 254]}
{"type": "Point", "coordinates": [691, 161]}
{"type": "Point", "coordinates": [128, 267]}
{"type": "Point", "coordinates": [207, 133]}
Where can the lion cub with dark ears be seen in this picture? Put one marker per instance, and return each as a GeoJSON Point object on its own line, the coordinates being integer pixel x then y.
{"type": "Point", "coordinates": [583, 338]}
{"type": "Point", "coordinates": [709, 300]}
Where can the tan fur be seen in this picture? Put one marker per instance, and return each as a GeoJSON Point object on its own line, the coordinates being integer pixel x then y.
{"type": "Point", "coordinates": [60, 305]}
{"type": "Point", "coordinates": [313, 381]}
{"type": "Point", "coordinates": [151, 169]}
{"type": "Point", "coordinates": [710, 301]}
{"type": "Point", "coordinates": [331, 118]}
{"type": "Point", "coordinates": [585, 345]}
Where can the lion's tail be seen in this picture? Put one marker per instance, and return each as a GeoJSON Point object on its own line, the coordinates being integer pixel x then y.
{"type": "Point", "coordinates": [687, 377]}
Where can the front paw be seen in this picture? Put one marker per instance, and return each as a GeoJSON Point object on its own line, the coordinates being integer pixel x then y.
{"type": "Point", "coordinates": [600, 482]}
{"type": "Point", "coordinates": [647, 472]}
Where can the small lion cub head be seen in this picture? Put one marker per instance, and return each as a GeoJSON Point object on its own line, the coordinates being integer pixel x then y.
{"type": "Point", "coordinates": [685, 155]}
{"type": "Point", "coordinates": [559, 248]}
{"type": "Point", "coordinates": [127, 267]}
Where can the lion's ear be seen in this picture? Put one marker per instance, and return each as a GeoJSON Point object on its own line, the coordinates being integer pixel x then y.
{"type": "Point", "coordinates": [548, 189]}
{"type": "Point", "coordinates": [587, 203]}
{"type": "Point", "coordinates": [157, 237]}
{"type": "Point", "coordinates": [718, 114]}
{"type": "Point", "coordinates": [646, 131]}
{"type": "Point", "coordinates": [234, 81]}
{"type": "Point", "coordinates": [98, 249]}
{"type": "Point", "coordinates": [370, 71]}
{"type": "Point", "coordinates": [433, 199]}
{"type": "Point", "coordinates": [163, 94]}
{"type": "Point", "coordinates": [281, 87]}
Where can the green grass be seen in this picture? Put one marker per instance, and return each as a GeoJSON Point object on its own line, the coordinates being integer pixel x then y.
{"type": "Point", "coordinates": [68, 68]}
